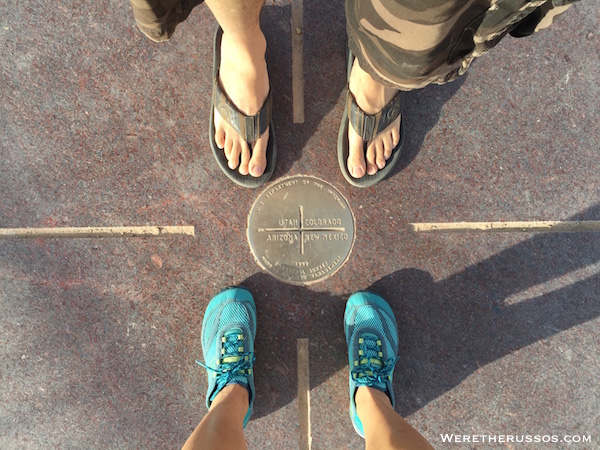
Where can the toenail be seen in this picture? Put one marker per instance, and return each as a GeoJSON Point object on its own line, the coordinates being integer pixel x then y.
{"type": "Point", "coordinates": [357, 172]}
{"type": "Point", "coordinates": [257, 171]}
{"type": "Point", "coordinates": [381, 165]}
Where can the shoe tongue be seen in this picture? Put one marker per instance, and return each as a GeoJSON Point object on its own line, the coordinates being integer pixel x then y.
{"type": "Point", "coordinates": [370, 336]}
{"type": "Point", "coordinates": [232, 332]}
{"type": "Point", "coordinates": [233, 345]}
{"type": "Point", "coordinates": [370, 361]}
{"type": "Point", "coordinates": [372, 351]}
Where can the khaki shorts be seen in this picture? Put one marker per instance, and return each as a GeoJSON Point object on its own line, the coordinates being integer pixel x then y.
{"type": "Point", "coordinates": [406, 44]}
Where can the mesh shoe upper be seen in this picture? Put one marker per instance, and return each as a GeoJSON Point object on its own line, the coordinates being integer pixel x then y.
{"type": "Point", "coordinates": [372, 338]}
{"type": "Point", "coordinates": [228, 333]}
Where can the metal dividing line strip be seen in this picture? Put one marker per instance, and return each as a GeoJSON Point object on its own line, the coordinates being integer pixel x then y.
{"type": "Point", "coordinates": [96, 232]}
{"type": "Point", "coordinates": [297, 62]}
{"type": "Point", "coordinates": [508, 227]}
{"type": "Point", "coordinates": [305, 439]}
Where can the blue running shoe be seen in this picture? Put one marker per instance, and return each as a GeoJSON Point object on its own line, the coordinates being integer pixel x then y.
{"type": "Point", "coordinates": [228, 332]}
{"type": "Point", "coordinates": [372, 338]}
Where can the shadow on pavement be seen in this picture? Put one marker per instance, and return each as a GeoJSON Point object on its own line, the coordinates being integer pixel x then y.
{"type": "Point", "coordinates": [448, 329]}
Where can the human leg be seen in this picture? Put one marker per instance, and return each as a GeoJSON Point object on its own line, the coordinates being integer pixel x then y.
{"type": "Point", "coordinates": [222, 428]}
{"type": "Point", "coordinates": [243, 77]}
{"type": "Point", "coordinates": [384, 428]}
{"type": "Point", "coordinates": [228, 332]}
{"type": "Point", "coordinates": [406, 45]}
{"type": "Point", "coordinates": [372, 338]}
{"type": "Point", "coordinates": [398, 45]}
{"type": "Point", "coordinates": [371, 97]}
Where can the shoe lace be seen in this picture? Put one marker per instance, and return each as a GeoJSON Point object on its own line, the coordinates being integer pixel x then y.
{"type": "Point", "coordinates": [370, 368]}
{"type": "Point", "coordinates": [234, 362]}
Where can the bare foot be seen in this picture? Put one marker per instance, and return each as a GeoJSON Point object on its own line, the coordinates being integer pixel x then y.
{"type": "Point", "coordinates": [243, 76]}
{"type": "Point", "coordinates": [371, 97]}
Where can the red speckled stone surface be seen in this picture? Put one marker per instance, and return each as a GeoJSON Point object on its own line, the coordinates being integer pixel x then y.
{"type": "Point", "coordinates": [101, 127]}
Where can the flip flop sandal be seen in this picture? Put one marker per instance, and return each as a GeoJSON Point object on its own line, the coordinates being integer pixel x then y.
{"type": "Point", "coordinates": [249, 127]}
{"type": "Point", "coordinates": [368, 126]}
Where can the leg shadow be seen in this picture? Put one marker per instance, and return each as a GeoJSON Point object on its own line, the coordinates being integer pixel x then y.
{"type": "Point", "coordinates": [448, 329]}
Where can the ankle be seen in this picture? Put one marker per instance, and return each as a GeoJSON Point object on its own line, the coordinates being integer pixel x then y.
{"type": "Point", "coordinates": [235, 396]}
{"type": "Point", "coordinates": [245, 47]}
{"type": "Point", "coordinates": [369, 399]}
{"type": "Point", "coordinates": [370, 95]}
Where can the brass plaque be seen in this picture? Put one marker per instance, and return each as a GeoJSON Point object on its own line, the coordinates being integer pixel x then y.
{"type": "Point", "coordinates": [301, 230]}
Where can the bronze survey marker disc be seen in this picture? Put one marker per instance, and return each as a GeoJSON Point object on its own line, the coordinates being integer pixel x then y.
{"type": "Point", "coordinates": [301, 230]}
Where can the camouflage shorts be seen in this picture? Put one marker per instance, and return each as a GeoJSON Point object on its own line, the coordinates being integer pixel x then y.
{"type": "Point", "coordinates": [402, 43]}
{"type": "Point", "coordinates": [412, 43]}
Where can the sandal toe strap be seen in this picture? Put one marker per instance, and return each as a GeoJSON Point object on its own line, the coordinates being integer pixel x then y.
{"type": "Point", "coordinates": [250, 128]}
{"type": "Point", "coordinates": [369, 126]}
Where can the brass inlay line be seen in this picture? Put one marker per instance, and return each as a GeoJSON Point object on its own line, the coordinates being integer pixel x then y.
{"type": "Point", "coordinates": [301, 213]}
{"type": "Point", "coordinates": [508, 227]}
{"type": "Point", "coordinates": [96, 232]}
{"type": "Point", "coordinates": [269, 230]}
{"type": "Point", "coordinates": [305, 438]}
{"type": "Point", "coordinates": [297, 62]}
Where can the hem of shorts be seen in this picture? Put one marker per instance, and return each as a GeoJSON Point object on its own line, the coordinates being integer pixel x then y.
{"type": "Point", "coordinates": [152, 34]}
{"type": "Point", "coordinates": [364, 64]}
{"type": "Point", "coordinates": [355, 49]}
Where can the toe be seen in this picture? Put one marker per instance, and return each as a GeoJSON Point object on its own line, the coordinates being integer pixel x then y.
{"type": "Point", "coordinates": [371, 166]}
{"type": "Point", "coordinates": [379, 153]}
{"type": "Point", "coordinates": [258, 162]}
{"type": "Point", "coordinates": [234, 157]}
{"type": "Point", "coordinates": [356, 159]}
{"type": "Point", "coordinates": [219, 133]}
{"type": "Point", "coordinates": [245, 154]}
{"type": "Point", "coordinates": [396, 135]}
{"type": "Point", "coordinates": [388, 146]}
{"type": "Point", "coordinates": [228, 147]}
